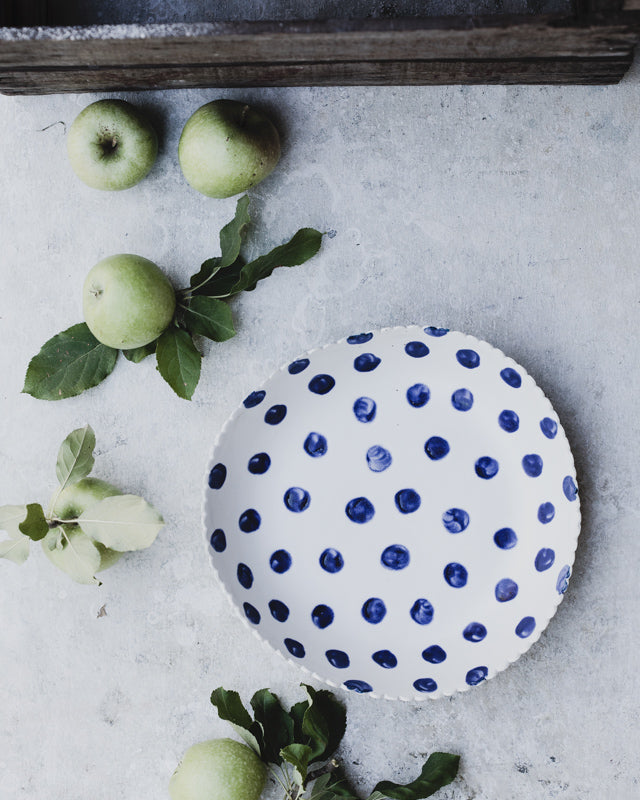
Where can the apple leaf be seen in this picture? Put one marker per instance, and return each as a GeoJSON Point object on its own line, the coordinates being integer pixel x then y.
{"type": "Point", "coordinates": [299, 756]}
{"type": "Point", "coordinates": [75, 457]}
{"type": "Point", "coordinates": [16, 550]}
{"type": "Point", "coordinates": [138, 354]}
{"type": "Point", "coordinates": [16, 547]}
{"type": "Point", "coordinates": [277, 726]}
{"type": "Point", "coordinates": [72, 551]}
{"type": "Point", "coordinates": [230, 708]}
{"type": "Point", "coordinates": [10, 519]}
{"type": "Point", "coordinates": [210, 317]}
{"type": "Point", "coordinates": [122, 522]}
{"type": "Point", "coordinates": [69, 363]}
{"type": "Point", "coordinates": [179, 361]}
{"type": "Point", "coordinates": [439, 770]}
{"type": "Point", "coordinates": [324, 723]}
{"type": "Point", "coordinates": [35, 525]}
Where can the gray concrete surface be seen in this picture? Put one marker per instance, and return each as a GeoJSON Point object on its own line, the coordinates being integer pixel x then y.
{"type": "Point", "coordinates": [509, 213]}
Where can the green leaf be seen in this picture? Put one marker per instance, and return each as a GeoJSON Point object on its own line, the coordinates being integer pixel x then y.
{"type": "Point", "coordinates": [179, 361]}
{"type": "Point", "coordinates": [299, 756]}
{"type": "Point", "coordinates": [122, 522]}
{"type": "Point", "coordinates": [16, 550]}
{"type": "Point", "coordinates": [16, 547]}
{"type": "Point", "coordinates": [72, 551]}
{"type": "Point", "coordinates": [69, 363]}
{"type": "Point", "coordinates": [75, 456]}
{"type": "Point", "coordinates": [10, 519]}
{"type": "Point", "coordinates": [230, 708]}
{"type": "Point", "coordinates": [207, 316]}
{"type": "Point", "coordinates": [324, 723]}
{"type": "Point", "coordinates": [297, 713]}
{"type": "Point", "coordinates": [438, 771]}
{"type": "Point", "coordinates": [207, 271]}
{"type": "Point", "coordinates": [35, 525]}
{"type": "Point", "coordinates": [276, 724]}
{"type": "Point", "coordinates": [332, 786]}
{"type": "Point", "coordinates": [138, 354]}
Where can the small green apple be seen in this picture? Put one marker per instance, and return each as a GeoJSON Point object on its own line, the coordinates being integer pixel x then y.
{"type": "Point", "coordinates": [127, 301]}
{"type": "Point", "coordinates": [218, 769]}
{"type": "Point", "coordinates": [111, 145]}
{"type": "Point", "coordinates": [226, 147]}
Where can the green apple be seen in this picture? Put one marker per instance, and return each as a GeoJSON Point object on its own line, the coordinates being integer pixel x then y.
{"type": "Point", "coordinates": [111, 145]}
{"type": "Point", "coordinates": [127, 301]}
{"type": "Point", "coordinates": [218, 769]}
{"type": "Point", "coordinates": [226, 147]}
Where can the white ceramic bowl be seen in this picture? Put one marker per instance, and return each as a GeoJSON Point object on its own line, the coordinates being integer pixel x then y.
{"type": "Point", "coordinates": [397, 512]}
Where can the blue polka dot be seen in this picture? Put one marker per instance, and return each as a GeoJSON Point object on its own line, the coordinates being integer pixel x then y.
{"type": "Point", "coordinates": [569, 488]}
{"type": "Point", "coordinates": [506, 590]}
{"type": "Point", "coordinates": [511, 377]}
{"type": "Point", "coordinates": [259, 463]}
{"type": "Point", "coordinates": [331, 560]}
{"type": "Point", "coordinates": [434, 654]}
{"type": "Point", "coordinates": [275, 414]}
{"type": "Point", "coordinates": [455, 520]}
{"type": "Point", "coordinates": [295, 648]}
{"type": "Point", "coordinates": [395, 557]}
{"type": "Point", "coordinates": [218, 540]}
{"type": "Point", "coordinates": [544, 559]}
{"type": "Point", "coordinates": [416, 349]}
{"type": "Point", "coordinates": [254, 399]}
{"type": "Point", "coordinates": [532, 465]}
{"type": "Point", "coordinates": [297, 499]}
{"type": "Point", "coordinates": [360, 510]}
{"type": "Point", "coordinates": [385, 658]}
{"type": "Point", "coordinates": [436, 448]}
{"type": "Point", "coordinates": [422, 611]}
{"type": "Point", "coordinates": [280, 561]}
{"type": "Point", "coordinates": [366, 362]}
{"type": "Point", "coordinates": [431, 330]}
{"type": "Point", "coordinates": [361, 687]}
{"type": "Point", "coordinates": [378, 459]}
{"type": "Point", "coordinates": [462, 399]}
{"type": "Point", "coordinates": [359, 338]}
{"type": "Point", "coordinates": [251, 613]}
{"type": "Point", "coordinates": [245, 576]}
{"type": "Point", "coordinates": [365, 409]}
{"type": "Point", "coordinates": [474, 632]}
{"type": "Point", "coordinates": [338, 659]}
{"type": "Point", "coordinates": [562, 584]}
{"type": "Point", "coordinates": [315, 445]}
{"type": "Point", "coordinates": [374, 610]}
{"type": "Point", "coordinates": [546, 512]}
{"type": "Point", "coordinates": [476, 675]}
{"type": "Point", "coordinates": [217, 476]}
{"type": "Point", "coordinates": [487, 467]}
{"type": "Point", "coordinates": [468, 358]}
{"type": "Point", "coordinates": [321, 384]}
{"type": "Point", "coordinates": [509, 421]}
{"type": "Point", "coordinates": [456, 575]}
{"type": "Point", "coordinates": [298, 366]}
{"type": "Point", "coordinates": [249, 521]}
{"type": "Point", "coordinates": [279, 610]}
{"type": "Point", "coordinates": [407, 501]}
{"type": "Point", "coordinates": [525, 627]}
{"type": "Point", "coordinates": [322, 616]}
{"type": "Point", "coordinates": [418, 395]}
{"type": "Point", "coordinates": [505, 538]}
{"type": "Point", "coordinates": [549, 427]}
{"type": "Point", "coordinates": [425, 685]}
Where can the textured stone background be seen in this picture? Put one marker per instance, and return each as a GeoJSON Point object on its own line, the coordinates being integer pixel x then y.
{"type": "Point", "coordinates": [509, 213]}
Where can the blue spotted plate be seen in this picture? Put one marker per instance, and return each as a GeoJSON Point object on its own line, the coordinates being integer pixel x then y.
{"type": "Point", "coordinates": [397, 513]}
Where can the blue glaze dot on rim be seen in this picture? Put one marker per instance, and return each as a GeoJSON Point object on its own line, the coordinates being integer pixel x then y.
{"type": "Point", "coordinates": [436, 448]}
{"type": "Point", "coordinates": [506, 589]}
{"type": "Point", "coordinates": [259, 463]}
{"type": "Point", "coordinates": [275, 414]}
{"type": "Point", "coordinates": [549, 427]}
{"type": "Point", "coordinates": [331, 560]}
{"type": "Point", "coordinates": [462, 399]}
{"type": "Point", "coordinates": [416, 349]}
{"type": "Point", "coordinates": [476, 675]}
{"type": "Point", "coordinates": [385, 659]}
{"type": "Point", "coordinates": [378, 458]}
{"type": "Point", "coordinates": [279, 610]}
{"type": "Point", "coordinates": [338, 659]}
{"type": "Point", "coordinates": [395, 557]}
{"type": "Point", "coordinates": [218, 540]}
{"type": "Point", "coordinates": [434, 654]}
{"type": "Point", "coordinates": [361, 687]}
{"type": "Point", "coordinates": [244, 575]}
{"type": "Point", "coordinates": [359, 338]}
{"type": "Point", "coordinates": [544, 559]}
{"type": "Point", "coordinates": [546, 512]}
{"type": "Point", "coordinates": [562, 584]}
{"type": "Point", "coordinates": [366, 362]}
{"type": "Point", "coordinates": [360, 510]}
{"type": "Point", "coordinates": [505, 538]}
{"type": "Point", "coordinates": [455, 520]}
{"type": "Point", "coordinates": [295, 647]}
{"type": "Point", "coordinates": [525, 627]}
{"type": "Point", "coordinates": [487, 467]}
{"type": "Point", "coordinates": [322, 616]}
{"type": "Point", "coordinates": [296, 367]}
{"type": "Point", "coordinates": [321, 384]}
{"type": "Point", "coordinates": [425, 685]}
{"type": "Point", "coordinates": [474, 632]}
{"type": "Point", "coordinates": [364, 409]}
{"type": "Point", "coordinates": [456, 575]}
{"type": "Point", "coordinates": [511, 377]}
{"type": "Point", "coordinates": [297, 499]}
{"type": "Point", "coordinates": [509, 421]}
{"type": "Point", "coordinates": [431, 330]}
{"type": "Point", "coordinates": [315, 445]}
{"type": "Point", "coordinates": [569, 488]}
{"type": "Point", "coordinates": [217, 476]}
{"type": "Point", "coordinates": [422, 611]}
{"type": "Point", "coordinates": [468, 358]}
{"type": "Point", "coordinates": [251, 613]}
{"type": "Point", "coordinates": [254, 399]}
{"type": "Point", "coordinates": [407, 501]}
{"type": "Point", "coordinates": [249, 521]}
{"type": "Point", "coordinates": [280, 561]}
{"type": "Point", "coordinates": [418, 395]}
{"type": "Point", "coordinates": [532, 465]}
{"type": "Point", "coordinates": [374, 610]}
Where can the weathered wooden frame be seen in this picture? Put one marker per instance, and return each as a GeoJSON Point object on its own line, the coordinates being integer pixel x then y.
{"type": "Point", "coordinates": [593, 45]}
